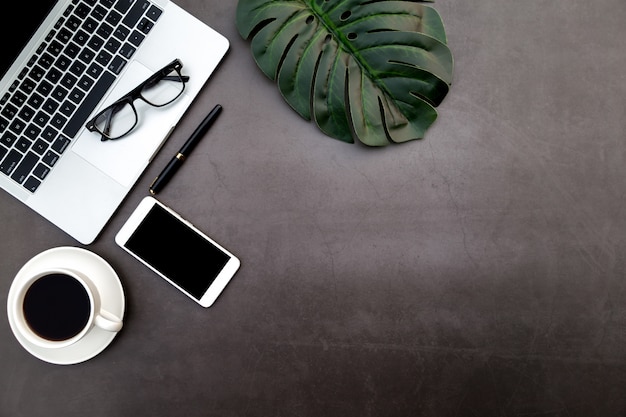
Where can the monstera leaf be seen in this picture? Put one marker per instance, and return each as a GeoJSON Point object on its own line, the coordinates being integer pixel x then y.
{"type": "Point", "coordinates": [372, 70]}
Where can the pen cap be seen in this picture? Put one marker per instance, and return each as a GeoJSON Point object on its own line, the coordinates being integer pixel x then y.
{"type": "Point", "coordinates": [201, 130]}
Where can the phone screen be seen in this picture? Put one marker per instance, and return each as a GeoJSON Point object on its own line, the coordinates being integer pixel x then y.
{"type": "Point", "coordinates": [177, 251]}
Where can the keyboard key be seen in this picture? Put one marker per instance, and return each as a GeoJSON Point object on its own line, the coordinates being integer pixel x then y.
{"type": "Point", "coordinates": [82, 11]}
{"type": "Point", "coordinates": [103, 58]}
{"type": "Point", "coordinates": [41, 171]}
{"type": "Point", "coordinates": [81, 37]}
{"type": "Point", "coordinates": [79, 40]}
{"type": "Point", "coordinates": [68, 10]}
{"type": "Point", "coordinates": [35, 100]}
{"type": "Point", "coordinates": [77, 68]}
{"type": "Point", "coordinates": [20, 76]}
{"type": "Point", "coordinates": [58, 121]}
{"type": "Point", "coordinates": [127, 50]}
{"type": "Point", "coordinates": [9, 111]}
{"type": "Point", "coordinates": [117, 65]}
{"type": "Point", "coordinates": [67, 108]}
{"type": "Point", "coordinates": [16, 83]}
{"type": "Point", "coordinates": [49, 37]}
{"type": "Point", "coordinates": [23, 169]}
{"type": "Point", "coordinates": [8, 139]}
{"type": "Point", "coordinates": [63, 62]}
{"type": "Point", "coordinates": [50, 106]}
{"type": "Point", "coordinates": [94, 70]}
{"type": "Point", "coordinates": [64, 36]}
{"type": "Point", "coordinates": [31, 61]}
{"type": "Point", "coordinates": [76, 95]}
{"type": "Point", "coordinates": [69, 81]}
{"type": "Point", "coordinates": [112, 45]}
{"type": "Point", "coordinates": [85, 83]}
{"type": "Point", "coordinates": [46, 60]}
{"type": "Point", "coordinates": [50, 158]}
{"type": "Point", "coordinates": [136, 38]}
{"type": "Point", "coordinates": [54, 48]}
{"type": "Point", "coordinates": [95, 42]}
{"type": "Point", "coordinates": [9, 163]}
{"type": "Point", "coordinates": [26, 113]}
{"type": "Point", "coordinates": [22, 144]}
{"type": "Point", "coordinates": [90, 25]}
{"type": "Point", "coordinates": [31, 184]}
{"type": "Point", "coordinates": [59, 93]}
{"type": "Point", "coordinates": [60, 144]}
{"type": "Point", "coordinates": [54, 75]}
{"type": "Point", "coordinates": [36, 73]}
{"type": "Point", "coordinates": [145, 26]}
{"type": "Point", "coordinates": [113, 18]}
{"type": "Point", "coordinates": [41, 119]}
{"type": "Point", "coordinates": [49, 133]}
{"type": "Point", "coordinates": [18, 98]}
{"type": "Point", "coordinates": [105, 30]}
{"type": "Point", "coordinates": [27, 86]}
{"type": "Point", "coordinates": [87, 55]}
{"type": "Point", "coordinates": [123, 5]}
{"type": "Point", "coordinates": [40, 49]}
{"type": "Point", "coordinates": [154, 13]}
{"type": "Point", "coordinates": [44, 88]}
{"type": "Point", "coordinates": [32, 131]}
{"type": "Point", "coordinates": [72, 23]}
{"type": "Point", "coordinates": [40, 146]}
{"type": "Point", "coordinates": [99, 13]}
{"type": "Point", "coordinates": [121, 33]}
{"type": "Point", "coordinates": [135, 13]}
{"type": "Point", "coordinates": [17, 126]}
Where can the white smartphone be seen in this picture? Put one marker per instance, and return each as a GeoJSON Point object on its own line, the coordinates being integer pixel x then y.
{"type": "Point", "coordinates": [177, 251]}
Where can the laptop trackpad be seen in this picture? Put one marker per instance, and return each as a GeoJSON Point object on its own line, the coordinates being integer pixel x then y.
{"type": "Point", "coordinates": [126, 158]}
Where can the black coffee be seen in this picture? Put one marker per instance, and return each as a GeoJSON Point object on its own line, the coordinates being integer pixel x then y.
{"type": "Point", "coordinates": [56, 307]}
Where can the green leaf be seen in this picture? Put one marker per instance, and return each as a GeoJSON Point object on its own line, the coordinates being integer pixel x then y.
{"type": "Point", "coordinates": [372, 71]}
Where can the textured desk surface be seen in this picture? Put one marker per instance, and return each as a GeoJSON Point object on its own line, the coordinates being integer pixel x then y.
{"type": "Point", "coordinates": [478, 272]}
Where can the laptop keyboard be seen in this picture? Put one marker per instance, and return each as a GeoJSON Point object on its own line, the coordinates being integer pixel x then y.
{"type": "Point", "coordinates": [65, 80]}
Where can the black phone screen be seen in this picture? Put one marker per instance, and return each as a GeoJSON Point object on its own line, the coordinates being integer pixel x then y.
{"type": "Point", "coordinates": [177, 251]}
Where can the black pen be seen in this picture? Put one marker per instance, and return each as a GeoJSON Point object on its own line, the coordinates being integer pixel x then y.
{"type": "Point", "coordinates": [169, 170]}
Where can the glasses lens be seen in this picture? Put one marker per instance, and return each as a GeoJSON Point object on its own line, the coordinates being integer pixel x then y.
{"type": "Point", "coordinates": [163, 90]}
{"type": "Point", "coordinates": [116, 121]}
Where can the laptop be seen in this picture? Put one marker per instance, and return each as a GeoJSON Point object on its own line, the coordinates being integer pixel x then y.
{"type": "Point", "coordinates": [65, 60]}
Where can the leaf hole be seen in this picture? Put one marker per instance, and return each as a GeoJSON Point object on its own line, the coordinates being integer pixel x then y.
{"type": "Point", "coordinates": [309, 20]}
{"type": "Point", "coordinates": [345, 15]}
{"type": "Point", "coordinates": [352, 36]}
{"type": "Point", "coordinates": [284, 55]}
{"type": "Point", "coordinates": [259, 27]}
{"type": "Point", "coordinates": [327, 39]}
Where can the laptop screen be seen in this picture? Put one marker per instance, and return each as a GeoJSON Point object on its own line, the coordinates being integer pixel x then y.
{"type": "Point", "coordinates": [28, 16]}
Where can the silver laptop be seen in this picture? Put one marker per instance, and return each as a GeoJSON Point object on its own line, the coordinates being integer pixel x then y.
{"type": "Point", "coordinates": [66, 62]}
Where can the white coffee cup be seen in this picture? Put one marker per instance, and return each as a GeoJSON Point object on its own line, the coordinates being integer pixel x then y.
{"type": "Point", "coordinates": [55, 308]}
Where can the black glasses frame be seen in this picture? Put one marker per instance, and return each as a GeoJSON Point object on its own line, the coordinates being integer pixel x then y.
{"type": "Point", "coordinates": [135, 94]}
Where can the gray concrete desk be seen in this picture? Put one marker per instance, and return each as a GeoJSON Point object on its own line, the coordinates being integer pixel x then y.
{"type": "Point", "coordinates": [478, 272]}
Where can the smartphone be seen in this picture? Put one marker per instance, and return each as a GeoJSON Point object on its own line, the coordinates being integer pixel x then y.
{"type": "Point", "coordinates": [177, 251]}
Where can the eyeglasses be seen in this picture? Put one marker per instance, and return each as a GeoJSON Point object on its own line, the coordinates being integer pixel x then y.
{"type": "Point", "coordinates": [120, 118]}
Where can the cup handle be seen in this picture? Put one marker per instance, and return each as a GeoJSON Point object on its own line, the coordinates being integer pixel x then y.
{"type": "Point", "coordinates": [108, 321]}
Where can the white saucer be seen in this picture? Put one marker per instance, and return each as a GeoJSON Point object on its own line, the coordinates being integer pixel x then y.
{"type": "Point", "coordinates": [109, 287]}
